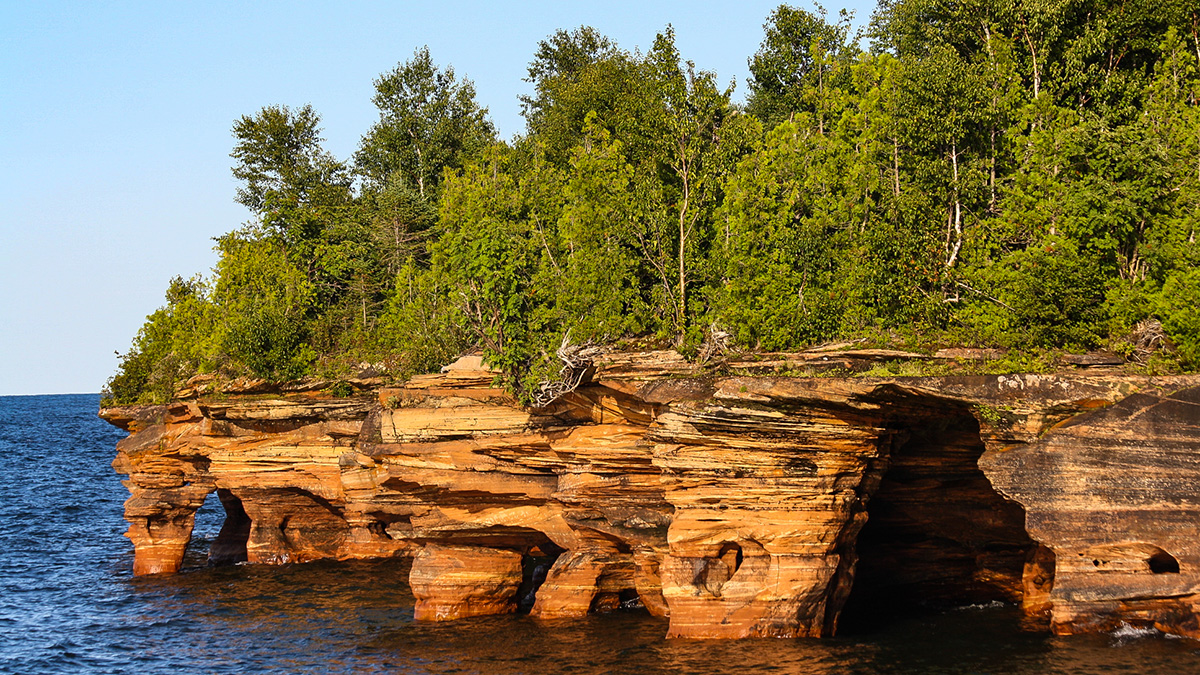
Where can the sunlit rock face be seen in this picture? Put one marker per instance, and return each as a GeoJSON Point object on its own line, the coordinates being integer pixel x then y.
{"type": "Point", "coordinates": [454, 582]}
{"type": "Point", "coordinates": [1113, 494]}
{"type": "Point", "coordinates": [738, 506]}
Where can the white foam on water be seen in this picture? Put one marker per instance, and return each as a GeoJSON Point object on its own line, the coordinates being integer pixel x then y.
{"type": "Point", "coordinates": [983, 605]}
{"type": "Point", "coordinates": [1126, 633]}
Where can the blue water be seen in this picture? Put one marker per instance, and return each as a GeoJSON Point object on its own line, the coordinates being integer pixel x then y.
{"type": "Point", "coordinates": [68, 603]}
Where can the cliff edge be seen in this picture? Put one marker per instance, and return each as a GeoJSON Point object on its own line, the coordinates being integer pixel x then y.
{"type": "Point", "coordinates": [738, 505]}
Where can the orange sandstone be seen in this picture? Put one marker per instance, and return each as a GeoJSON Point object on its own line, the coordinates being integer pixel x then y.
{"type": "Point", "coordinates": [738, 506]}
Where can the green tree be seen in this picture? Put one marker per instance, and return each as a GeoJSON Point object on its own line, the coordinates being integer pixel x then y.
{"type": "Point", "coordinates": [428, 121]}
{"type": "Point", "coordinates": [176, 341]}
{"type": "Point", "coordinates": [781, 251]}
{"type": "Point", "coordinates": [263, 301]}
{"type": "Point", "coordinates": [561, 60]}
{"type": "Point", "coordinates": [423, 327]}
{"type": "Point", "coordinates": [401, 223]}
{"type": "Point", "coordinates": [490, 256]}
{"type": "Point", "coordinates": [288, 180]}
{"type": "Point", "coordinates": [597, 264]}
{"type": "Point", "coordinates": [801, 65]}
{"type": "Point", "coordinates": [1177, 305]}
{"type": "Point", "coordinates": [942, 102]}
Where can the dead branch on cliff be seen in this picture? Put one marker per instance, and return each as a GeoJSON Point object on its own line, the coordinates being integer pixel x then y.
{"type": "Point", "coordinates": [1146, 338]}
{"type": "Point", "coordinates": [576, 362]}
{"type": "Point", "coordinates": [716, 343]}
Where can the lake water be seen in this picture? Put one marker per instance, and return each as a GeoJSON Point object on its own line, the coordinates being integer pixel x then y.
{"type": "Point", "coordinates": [68, 603]}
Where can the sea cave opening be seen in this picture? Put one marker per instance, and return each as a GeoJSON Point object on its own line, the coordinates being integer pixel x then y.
{"type": "Point", "coordinates": [535, 565]}
{"type": "Point", "coordinates": [937, 535]}
{"type": "Point", "coordinates": [220, 531]}
{"type": "Point", "coordinates": [206, 526]}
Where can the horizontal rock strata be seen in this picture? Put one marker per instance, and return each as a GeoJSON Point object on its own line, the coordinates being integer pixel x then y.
{"type": "Point", "coordinates": [1113, 493]}
{"type": "Point", "coordinates": [753, 504]}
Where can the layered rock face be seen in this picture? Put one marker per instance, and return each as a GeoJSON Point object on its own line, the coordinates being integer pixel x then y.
{"type": "Point", "coordinates": [737, 505]}
{"type": "Point", "coordinates": [1113, 494]}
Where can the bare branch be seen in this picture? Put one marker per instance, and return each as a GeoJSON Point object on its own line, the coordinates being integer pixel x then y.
{"type": "Point", "coordinates": [577, 361]}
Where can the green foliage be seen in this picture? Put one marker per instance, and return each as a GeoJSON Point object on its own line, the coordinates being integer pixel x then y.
{"type": "Point", "coordinates": [601, 279]}
{"type": "Point", "coordinates": [1017, 361]}
{"type": "Point", "coordinates": [907, 368]}
{"type": "Point", "coordinates": [176, 341]}
{"type": "Point", "coordinates": [602, 225]}
{"type": "Point", "coordinates": [560, 61]}
{"type": "Point", "coordinates": [996, 173]}
{"type": "Point", "coordinates": [400, 223]}
{"type": "Point", "coordinates": [490, 254]}
{"type": "Point", "coordinates": [1179, 310]}
{"type": "Point", "coordinates": [268, 343]}
{"type": "Point", "coordinates": [995, 417]}
{"type": "Point", "coordinates": [284, 171]}
{"type": "Point", "coordinates": [422, 327]}
{"type": "Point", "coordinates": [428, 122]}
{"type": "Point", "coordinates": [801, 65]}
{"type": "Point", "coordinates": [779, 246]}
{"type": "Point", "coordinates": [264, 300]}
{"type": "Point", "coordinates": [1047, 295]}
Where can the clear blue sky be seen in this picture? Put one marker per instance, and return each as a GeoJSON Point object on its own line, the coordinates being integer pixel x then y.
{"type": "Point", "coordinates": [115, 119]}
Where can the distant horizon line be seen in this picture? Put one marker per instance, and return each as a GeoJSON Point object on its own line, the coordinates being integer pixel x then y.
{"type": "Point", "coordinates": [69, 393]}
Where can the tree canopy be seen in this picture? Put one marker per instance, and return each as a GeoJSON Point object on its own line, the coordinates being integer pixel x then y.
{"type": "Point", "coordinates": [1000, 173]}
{"type": "Point", "coordinates": [428, 122]}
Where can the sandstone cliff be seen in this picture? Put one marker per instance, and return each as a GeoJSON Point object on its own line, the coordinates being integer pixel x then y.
{"type": "Point", "coordinates": [737, 505]}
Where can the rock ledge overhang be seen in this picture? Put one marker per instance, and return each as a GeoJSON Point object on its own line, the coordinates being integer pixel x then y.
{"type": "Point", "coordinates": [735, 505]}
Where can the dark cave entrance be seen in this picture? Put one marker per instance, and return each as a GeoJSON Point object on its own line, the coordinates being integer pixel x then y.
{"type": "Point", "coordinates": [1161, 562]}
{"type": "Point", "coordinates": [535, 565]}
{"type": "Point", "coordinates": [229, 548]}
{"type": "Point", "coordinates": [937, 535]}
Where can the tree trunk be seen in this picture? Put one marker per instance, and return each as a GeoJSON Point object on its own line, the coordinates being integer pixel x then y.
{"type": "Point", "coordinates": [992, 174]}
{"type": "Point", "coordinates": [683, 249]}
{"type": "Point", "coordinates": [957, 213]}
{"type": "Point", "coordinates": [1037, 75]}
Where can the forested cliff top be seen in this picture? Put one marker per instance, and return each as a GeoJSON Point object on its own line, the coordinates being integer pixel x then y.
{"type": "Point", "coordinates": [995, 173]}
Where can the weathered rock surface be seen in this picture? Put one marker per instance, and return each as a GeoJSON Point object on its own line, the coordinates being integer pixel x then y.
{"type": "Point", "coordinates": [738, 506]}
{"type": "Point", "coordinates": [1113, 493]}
{"type": "Point", "coordinates": [453, 582]}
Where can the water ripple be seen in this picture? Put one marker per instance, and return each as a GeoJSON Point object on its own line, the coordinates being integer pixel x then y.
{"type": "Point", "coordinates": [68, 603]}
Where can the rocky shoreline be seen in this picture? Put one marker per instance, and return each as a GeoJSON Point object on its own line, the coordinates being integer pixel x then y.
{"type": "Point", "coordinates": [738, 505]}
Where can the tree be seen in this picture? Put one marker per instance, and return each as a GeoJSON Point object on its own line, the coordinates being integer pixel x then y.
{"type": "Point", "coordinates": [280, 160]}
{"type": "Point", "coordinates": [596, 264]}
{"type": "Point", "coordinates": [780, 251]}
{"type": "Point", "coordinates": [800, 66]}
{"type": "Point", "coordinates": [560, 60]}
{"type": "Point", "coordinates": [289, 181]}
{"type": "Point", "coordinates": [695, 114]}
{"type": "Point", "coordinates": [943, 99]}
{"type": "Point", "coordinates": [490, 255]}
{"type": "Point", "coordinates": [263, 301]}
{"type": "Point", "coordinates": [400, 223]}
{"type": "Point", "coordinates": [428, 122]}
{"type": "Point", "coordinates": [580, 74]}
{"type": "Point", "coordinates": [177, 340]}
{"type": "Point", "coordinates": [1090, 55]}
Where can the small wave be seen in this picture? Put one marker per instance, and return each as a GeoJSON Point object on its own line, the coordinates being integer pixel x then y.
{"type": "Point", "coordinates": [1126, 633]}
{"type": "Point", "coordinates": [983, 605]}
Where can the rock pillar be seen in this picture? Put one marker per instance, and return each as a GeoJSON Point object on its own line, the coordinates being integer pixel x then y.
{"type": "Point", "coordinates": [454, 582]}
